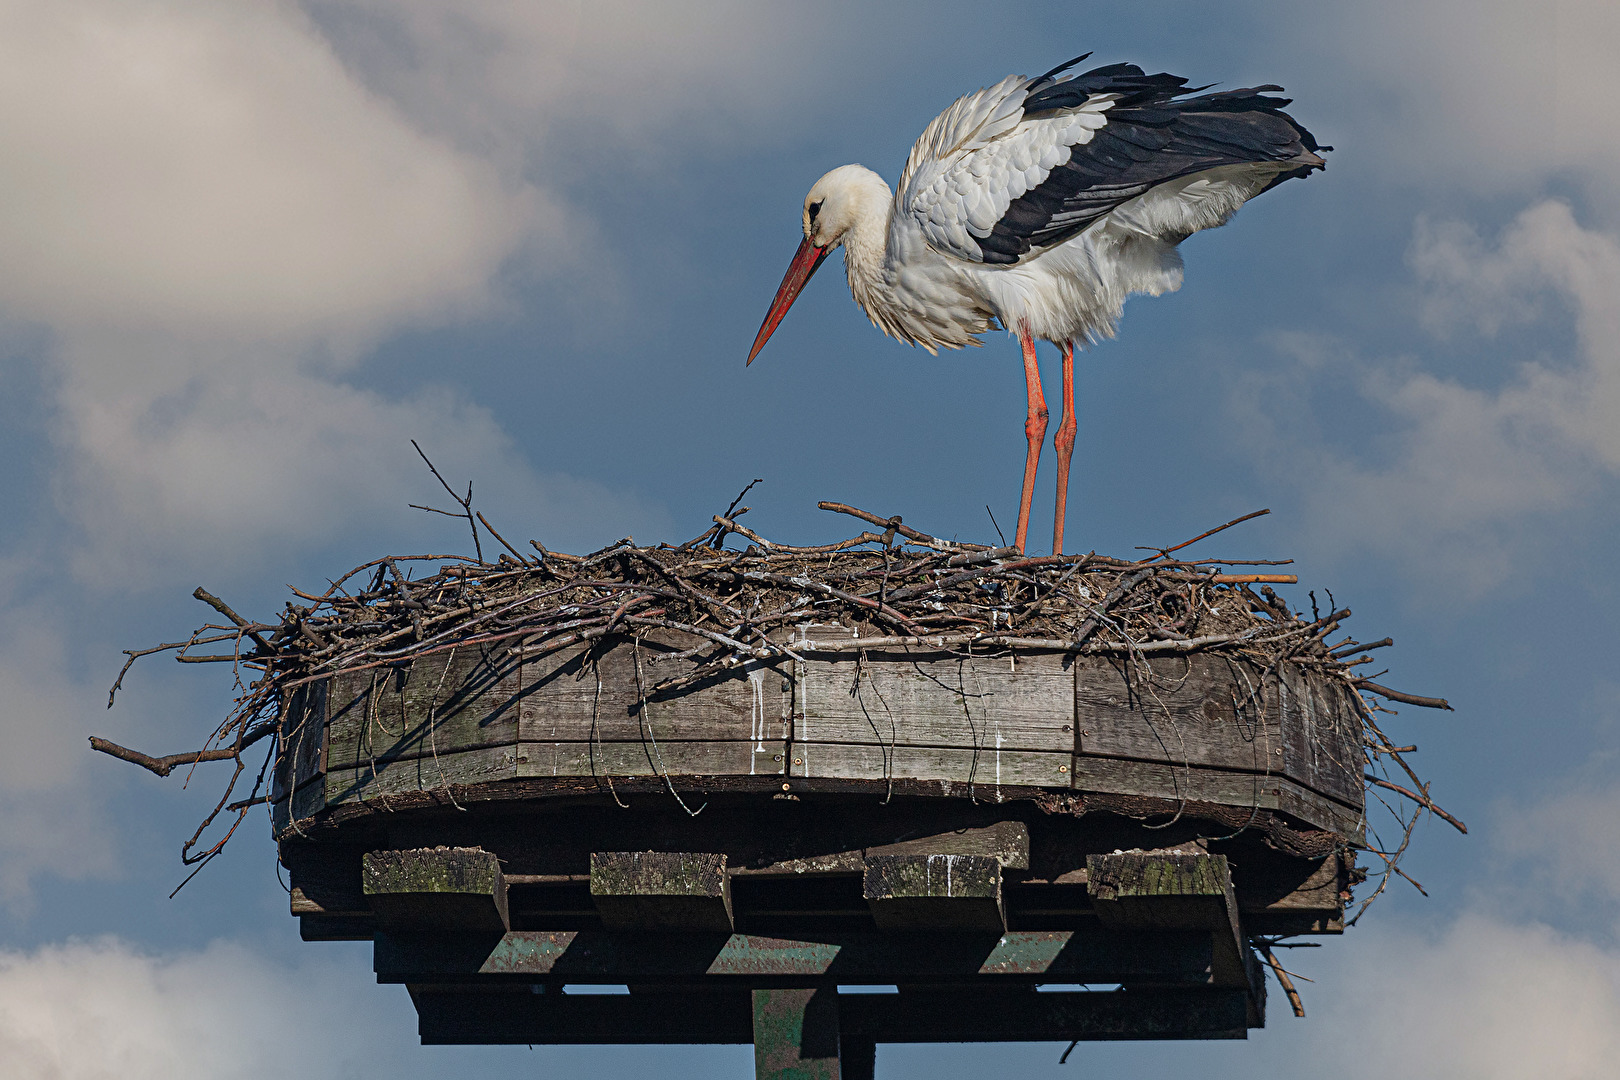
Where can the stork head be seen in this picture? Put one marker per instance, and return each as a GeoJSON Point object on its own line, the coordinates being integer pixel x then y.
{"type": "Point", "coordinates": [836, 203]}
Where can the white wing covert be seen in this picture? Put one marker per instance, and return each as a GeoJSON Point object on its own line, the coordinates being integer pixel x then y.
{"type": "Point", "coordinates": [981, 154]}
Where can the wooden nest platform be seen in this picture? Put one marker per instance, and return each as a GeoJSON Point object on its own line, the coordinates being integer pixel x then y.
{"type": "Point", "coordinates": [770, 771]}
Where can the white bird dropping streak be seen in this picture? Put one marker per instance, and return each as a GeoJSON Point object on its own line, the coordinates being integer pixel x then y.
{"type": "Point", "coordinates": [756, 681]}
{"type": "Point", "coordinates": [998, 761]}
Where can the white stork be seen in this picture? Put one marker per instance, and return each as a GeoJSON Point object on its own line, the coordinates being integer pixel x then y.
{"type": "Point", "coordinates": [1040, 205]}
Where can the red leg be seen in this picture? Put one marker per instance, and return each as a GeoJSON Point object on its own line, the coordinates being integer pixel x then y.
{"type": "Point", "coordinates": [1064, 440]}
{"type": "Point", "coordinates": [1034, 431]}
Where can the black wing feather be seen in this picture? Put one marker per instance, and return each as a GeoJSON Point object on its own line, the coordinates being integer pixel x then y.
{"type": "Point", "coordinates": [1155, 133]}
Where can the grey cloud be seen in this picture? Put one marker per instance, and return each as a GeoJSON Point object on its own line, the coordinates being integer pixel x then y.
{"type": "Point", "coordinates": [1481, 96]}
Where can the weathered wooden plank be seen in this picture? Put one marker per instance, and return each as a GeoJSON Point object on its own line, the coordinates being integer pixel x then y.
{"type": "Point", "coordinates": [931, 699]}
{"type": "Point", "coordinates": [305, 802]}
{"type": "Point", "coordinates": [996, 1015]}
{"type": "Point", "coordinates": [1293, 896]}
{"type": "Point", "coordinates": [936, 892]}
{"type": "Point", "coordinates": [649, 758]}
{"type": "Point", "coordinates": [661, 890]}
{"type": "Point", "coordinates": [985, 770]}
{"type": "Point", "coordinates": [1181, 710]}
{"type": "Point", "coordinates": [422, 774]}
{"type": "Point", "coordinates": [301, 761]}
{"type": "Point", "coordinates": [337, 927]}
{"type": "Point", "coordinates": [436, 890]}
{"type": "Point", "coordinates": [1160, 890]}
{"type": "Point", "coordinates": [462, 699]}
{"type": "Point", "coordinates": [460, 1016]}
{"type": "Point", "coordinates": [1322, 737]}
{"type": "Point", "coordinates": [563, 701]}
{"type": "Point", "coordinates": [1160, 781]}
{"type": "Point", "coordinates": [325, 879]}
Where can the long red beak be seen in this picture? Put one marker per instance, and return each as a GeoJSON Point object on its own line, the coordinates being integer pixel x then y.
{"type": "Point", "coordinates": [804, 263]}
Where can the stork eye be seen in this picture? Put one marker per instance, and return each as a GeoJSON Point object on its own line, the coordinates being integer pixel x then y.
{"type": "Point", "coordinates": [815, 208]}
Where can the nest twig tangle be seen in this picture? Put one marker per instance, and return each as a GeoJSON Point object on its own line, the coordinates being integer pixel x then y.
{"type": "Point", "coordinates": [733, 596]}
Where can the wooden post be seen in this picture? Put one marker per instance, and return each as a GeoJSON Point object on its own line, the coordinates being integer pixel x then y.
{"type": "Point", "coordinates": [796, 1034]}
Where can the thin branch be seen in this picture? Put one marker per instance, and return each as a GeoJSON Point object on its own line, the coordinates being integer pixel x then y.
{"type": "Point", "coordinates": [1422, 800]}
{"type": "Point", "coordinates": [162, 766]}
{"type": "Point", "coordinates": [1164, 553]}
{"type": "Point", "coordinates": [1405, 699]}
{"type": "Point", "coordinates": [466, 503]}
{"type": "Point", "coordinates": [1283, 979]}
{"type": "Point", "coordinates": [224, 609]}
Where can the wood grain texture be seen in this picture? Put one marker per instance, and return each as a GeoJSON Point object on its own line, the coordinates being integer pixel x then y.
{"type": "Point", "coordinates": [985, 770]}
{"type": "Point", "coordinates": [1205, 728]}
{"type": "Point", "coordinates": [1322, 737]}
{"type": "Point", "coordinates": [1181, 710]}
{"type": "Point", "coordinates": [302, 760]}
{"type": "Point", "coordinates": [460, 700]}
{"type": "Point", "coordinates": [576, 694]}
{"type": "Point", "coordinates": [662, 758]}
{"type": "Point", "coordinates": [432, 773]}
{"type": "Point", "coordinates": [1114, 776]}
{"type": "Point", "coordinates": [933, 699]}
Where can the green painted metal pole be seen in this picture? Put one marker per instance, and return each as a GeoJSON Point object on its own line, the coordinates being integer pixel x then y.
{"type": "Point", "coordinates": [796, 1034]}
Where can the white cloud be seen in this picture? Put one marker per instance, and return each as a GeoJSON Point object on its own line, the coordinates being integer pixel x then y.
{"type": "Point", "coordinates": [51, 817]}
{"type": "Point", "coordinates": [212, 214]}
{"type": "Point", "coordinates": [224, 470]}
{"type": "Point", "coordinates": [1563, 839]}
{"type": "Point", "coordinates": [214, 169]}
{"type": "Point", "coordinates": [1466, 474]}
{"type": "Point", "coordinates": [1486, 1000]}
{"type": "Point", "coordinates": [93, 1010]}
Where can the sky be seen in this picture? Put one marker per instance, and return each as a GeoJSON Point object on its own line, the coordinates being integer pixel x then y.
{"type": "Point", "coordinates": [249, 250]}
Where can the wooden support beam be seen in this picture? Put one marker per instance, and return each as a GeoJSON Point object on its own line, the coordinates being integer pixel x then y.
{"type": "Point", "coordinates": [1296, 897]}
{"type": "Point", "coordinates": [438, 889]}
{"type": "Point", "coordinates": [796, 1034]}
{"type": "Point", "coordinates": [661, 890]}
{"type": "Point", "coordinates": [1015, 1015]}
{"type": "Point", "coordinates": [946, 892]}
{"type": "Point", "coordinates": [457, 1015]}
{"type": "Point", "coordinates": [337, 927]}
{"type": "Point", "coordinates": [1177, 891]}
{"type": "Point", "coordinates": [1096, 954]}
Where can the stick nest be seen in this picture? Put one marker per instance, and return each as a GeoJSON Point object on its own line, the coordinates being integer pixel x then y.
{"type": "Point", "coordinates": [892, 585]}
